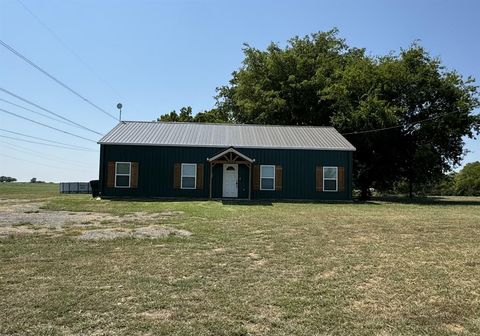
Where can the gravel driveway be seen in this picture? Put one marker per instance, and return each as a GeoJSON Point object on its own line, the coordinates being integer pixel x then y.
{"type": "Point", "coordinates": [19, 217]}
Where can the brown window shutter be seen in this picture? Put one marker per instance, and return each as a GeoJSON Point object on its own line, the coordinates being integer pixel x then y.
{"type": "Point", "coordinates": [341, 179]}
{"type": "Point", "coordinates": [256, 177]}
{"type": "Point", "coordinates": [177, 170]}
{"type": "Point", "coordinates": [134, 175]}
{"type": "Point", "coordinates": [319, 178]}
{"type": "Point", "coordinates": [200, 170]}
{"type": "Point", "coordinates": [111, 174]}
{"type": "Point", "coordinates": [278, 178]}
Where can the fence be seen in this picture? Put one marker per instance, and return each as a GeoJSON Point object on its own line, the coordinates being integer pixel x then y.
{"type": "Point", "coordinates": [75, 188]}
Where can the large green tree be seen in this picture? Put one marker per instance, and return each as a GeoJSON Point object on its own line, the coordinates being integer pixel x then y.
{"type": "Point", "coordinates": [422, 109]}
{"type": "Point", "coordinates": [406, 114]}
{"type": "Point", "coordinates": [467, 181]}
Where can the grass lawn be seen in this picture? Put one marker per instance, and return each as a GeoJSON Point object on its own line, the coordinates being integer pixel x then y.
{"type": "Point", "coordinates": [378, 268]}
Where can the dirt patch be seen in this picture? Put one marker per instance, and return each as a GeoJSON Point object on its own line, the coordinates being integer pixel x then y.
{"type": "Point", "coordinates": [31, 213]}
{"type": "Point", "coordinates": [28, 218]}
{"type": "Point", "coordinates": [142, 232]}
{"type": "Point", "coordinates": [455, 328]}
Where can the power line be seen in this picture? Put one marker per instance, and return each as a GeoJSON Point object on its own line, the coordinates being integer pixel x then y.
{"type": "Point", "coordinates": [45, 125]}
{"type": "Point", "coordinates": [46, 110]}
{"type": "Point", "coordinates": [38, 163]}
{"type": "Point", "coordinates": [67, 47]}
{"type": "Point", "coordinates": [47, 140]}
{"type": "Point", "coordinates": [46, 144]}
{"type": "Point", "coordinates": [44, 156]}
{"type": "Point", "coordinates": [401, 126]}
{"type": "Point", "coordinates": [33, 111]}
{"type": "Point", "coordinates": [24, 58]}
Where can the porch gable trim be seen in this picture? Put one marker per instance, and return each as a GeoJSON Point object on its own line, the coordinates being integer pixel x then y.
{"type": "Point", "coordinates": [230, 150]}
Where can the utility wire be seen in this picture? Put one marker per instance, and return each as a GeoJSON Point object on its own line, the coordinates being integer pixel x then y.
{"type": "Point", "coordinates": [67, 47]}
{"type": "Point", "coordinates": [46, 110]}
{"type": "Point", "coordinates": [38, 163]}
{"type": "Point", "coordinates": [44, 156]}
{"type": "Point", "coordinates": [24, 58]}
{"type": "Point", "coordinates": [45, 125]}
{"type": "Point", "coordinates": [36, 112]}
{"type": "Point", "coordinates": [46, 144]}
{"type": "Point", "coordinates": [401, 126]}
{"type": "Point", "coordinates": [47, 140]}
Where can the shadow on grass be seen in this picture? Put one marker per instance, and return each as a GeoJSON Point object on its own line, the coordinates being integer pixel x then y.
{"type": "Point", "coordinates": [153, 199]}
{"type": "Point", "coordinates": [429, 200]}
{"type": "Point", "coordinates": [187, 200]}
{"type": "Point", "coordinates": [377, 200]}
{"type": "Point", "coordinates": [268, 202]}
{"type": "Point", "coordinates": [246, 202]}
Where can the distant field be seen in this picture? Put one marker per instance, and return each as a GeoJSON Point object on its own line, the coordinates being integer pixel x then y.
{"type": "Point", "coordinates": [377, 268]}
{"type": "Point", "coordinates": [28, 190]}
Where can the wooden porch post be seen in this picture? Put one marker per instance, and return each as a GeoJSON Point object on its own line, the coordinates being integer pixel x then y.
{"type": "Point", "coordinates": [211, 178]}
{"type": "Point", "coordinates": [249, 181]}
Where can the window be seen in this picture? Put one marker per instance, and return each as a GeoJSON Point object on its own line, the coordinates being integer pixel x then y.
{"type": "Point", "coordinates": [123, 174]}
{"type": "Point", "coordinates": [189, 176]}
{"type": "Point", "coordinates": [267, 177]}
{"type": "Point", "coordinates": [330, 178]}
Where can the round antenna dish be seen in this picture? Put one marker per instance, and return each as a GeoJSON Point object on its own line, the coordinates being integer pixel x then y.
{"type": "Point", "coordinates": [119, 106]}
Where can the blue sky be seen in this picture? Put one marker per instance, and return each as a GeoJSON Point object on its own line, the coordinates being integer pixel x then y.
{"type": "Point", "coordinates": [156, 56]}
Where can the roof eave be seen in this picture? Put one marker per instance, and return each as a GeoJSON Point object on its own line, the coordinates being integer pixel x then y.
{"type": "Point", "coordinates": [346, 149]}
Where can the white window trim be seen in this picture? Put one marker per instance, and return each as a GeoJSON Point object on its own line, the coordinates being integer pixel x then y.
{"type": "Point", "coordinates": [129, 174]}
{"type": "Point", "coordinates": [182, 176]}
{"type": "Point", "coordinates": [261, 166]}
{"type": "Point", "coordinates": [330, 179]}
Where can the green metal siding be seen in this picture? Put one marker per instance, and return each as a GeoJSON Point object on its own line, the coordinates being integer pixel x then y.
{"type": "Point", "coordinates": [156, 167]}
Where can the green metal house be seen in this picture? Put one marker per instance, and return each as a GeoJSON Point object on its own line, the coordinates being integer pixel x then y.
{"type": "Point", "coordinates": [198, 160]}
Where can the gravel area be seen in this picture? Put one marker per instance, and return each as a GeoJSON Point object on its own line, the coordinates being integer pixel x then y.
{"type": "Point", "coordinates": [18, 218]}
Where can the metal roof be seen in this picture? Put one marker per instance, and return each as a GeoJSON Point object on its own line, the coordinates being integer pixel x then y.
{"type": "Point", "coordinates": [225, 135]}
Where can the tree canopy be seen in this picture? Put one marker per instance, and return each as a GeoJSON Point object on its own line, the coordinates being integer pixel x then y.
{"type": "Point", "coordinates": [7, 179]}
{"type": "Point", "coordinates": [467, 181]}
{"type": "Point", "coordinates": [404, 112]}
{"type": "Point", "coordinates": [185, 115]}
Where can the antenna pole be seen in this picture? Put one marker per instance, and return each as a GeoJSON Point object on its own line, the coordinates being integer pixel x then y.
{"type": "Point", "coordinates": [119, 106]}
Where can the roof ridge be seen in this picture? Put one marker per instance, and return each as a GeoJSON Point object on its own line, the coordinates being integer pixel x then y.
{"type": "Point", "coordinates": [222, 124]}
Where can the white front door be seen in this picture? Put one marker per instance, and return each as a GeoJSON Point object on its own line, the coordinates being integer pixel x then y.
{"type": "Point", "coordinates": [230, 180]}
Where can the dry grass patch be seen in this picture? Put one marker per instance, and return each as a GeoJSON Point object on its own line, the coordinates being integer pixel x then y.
{"type": "Point", "coordinates": [151, 231]}
{"type": "Point", "coordinates": [380, 268]}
